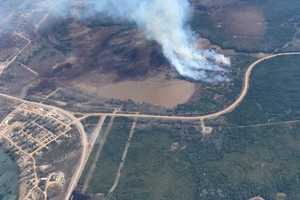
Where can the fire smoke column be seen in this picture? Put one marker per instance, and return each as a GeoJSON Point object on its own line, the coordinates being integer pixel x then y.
{"type": "Point", "coordinates": [165, 21]}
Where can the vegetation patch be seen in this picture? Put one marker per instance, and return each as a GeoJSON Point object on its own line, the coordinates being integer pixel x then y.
{"type": "Point", "coordinates": [273, 94]}
{"type": "Point", "coordinates": [156, 168]}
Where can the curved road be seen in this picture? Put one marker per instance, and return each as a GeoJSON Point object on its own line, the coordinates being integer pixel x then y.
{"type": "Point", "coordinates": [226, 110]}
{"type": "Point", "coordinates": [84, 141]}
{"type": "Point", "coordinates": [230, 108]}
{"type": "Point", "coordinates": [79, 126]}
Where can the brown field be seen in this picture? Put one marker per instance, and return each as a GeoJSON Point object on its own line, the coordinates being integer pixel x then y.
{"type": "Point", "coordinates": [245, 21]}
{"type": "Point", "coordinates": [9, 45]}
{"type": "Point", "coordinates": [155, 90]}
{"type": "Point", "coordinates": [246, 24]}
{"type": "Point", "coordinates": [15, 78]}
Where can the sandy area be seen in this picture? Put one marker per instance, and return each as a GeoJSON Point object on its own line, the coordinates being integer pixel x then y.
{"type": "Point", "coordinates": [155, 90]}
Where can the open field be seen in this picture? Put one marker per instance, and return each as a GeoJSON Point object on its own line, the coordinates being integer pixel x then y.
{"type": "Point", "coordinates": [156, 168]}
{"type": "Point", "coordinates": [110, 157]}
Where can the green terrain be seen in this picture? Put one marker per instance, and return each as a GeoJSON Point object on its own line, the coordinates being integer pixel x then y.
{"type": "Point", "coordinates": [8, 177]}
{"type": "Point", "coordinates": [254, 152]}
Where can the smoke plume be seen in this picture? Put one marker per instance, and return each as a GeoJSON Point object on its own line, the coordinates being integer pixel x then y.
{"type": "Point", "coordinates": [166, 22]}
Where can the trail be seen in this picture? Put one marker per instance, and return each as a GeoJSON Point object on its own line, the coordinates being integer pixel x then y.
{"type": "Point", "coordinates": [7, 63]}
{"type": "Point", "coordinates": [266, 124]}
{"type": "Point", "coordinates": [124, 156]}
{"type": "Point", "coordinates": [97, 156]}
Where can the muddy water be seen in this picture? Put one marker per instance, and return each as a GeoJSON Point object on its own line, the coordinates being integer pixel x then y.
{"type": "Point", "coordinates": [157, 91]}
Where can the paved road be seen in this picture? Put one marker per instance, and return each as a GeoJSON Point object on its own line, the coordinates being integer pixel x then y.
{"type": "Point", "coordinates": [226, 110]}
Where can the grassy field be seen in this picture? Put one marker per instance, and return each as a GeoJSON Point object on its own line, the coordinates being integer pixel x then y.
{"type": "Point", "coordinates": [8, 177]}
{"type": "Point", "coordinates": [154, 171]}
{"type": "Point", "coordinates": [280, 18]}
{"type": "Point", "coordinates": [110, 157]}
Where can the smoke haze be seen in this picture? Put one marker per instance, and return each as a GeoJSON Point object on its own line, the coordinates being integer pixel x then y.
{"type": "Point", "coordinates": [164, 21]}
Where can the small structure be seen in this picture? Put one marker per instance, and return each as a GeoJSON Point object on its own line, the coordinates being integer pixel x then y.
{"type": "Point", "coordinates": [56, 178]}
{"type": "Point", "coordinates": [206, 130]}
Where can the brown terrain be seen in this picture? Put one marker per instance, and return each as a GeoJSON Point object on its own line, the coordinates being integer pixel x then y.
{"type": "Point", "coordinates": [112, 61]}
{"type": "Point", "coordinates": [9, 44]}
{"type": "Point", "coordinates": [115, 60]}
{"type": "Point", "coordinates": [156, 90]}
{"type": "Point", "coordinates": [121, 49]}
{"type": "Point", "coordinates": [245, 24]}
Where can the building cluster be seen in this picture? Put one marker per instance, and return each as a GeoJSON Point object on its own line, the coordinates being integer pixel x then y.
{"type": "Point", "coordinates": [32, 128]}
{"type": "Point", "coordinates": [26, 132]}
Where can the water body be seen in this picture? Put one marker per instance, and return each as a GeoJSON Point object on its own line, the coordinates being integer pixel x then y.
{"type": "Point", "coordinates": [157, 90]}
{"type": "Point", "coordinates": [8, 177]}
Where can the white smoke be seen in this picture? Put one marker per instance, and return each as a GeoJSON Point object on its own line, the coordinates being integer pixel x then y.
{"type": "Point", "coordinates": [165, 21]}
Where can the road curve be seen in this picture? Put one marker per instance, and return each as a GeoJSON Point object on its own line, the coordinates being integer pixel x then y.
{"type": "Point", "coordinates": [246, 84]}
{"type": "Point", "coordinates": [230, 108]}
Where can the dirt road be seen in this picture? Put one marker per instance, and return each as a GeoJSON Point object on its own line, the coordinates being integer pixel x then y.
{"type": "Point", "coordinates": [226, 110]}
